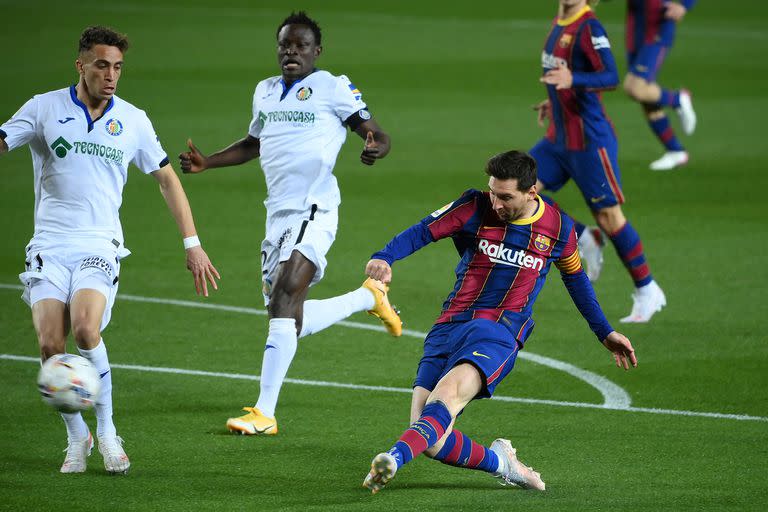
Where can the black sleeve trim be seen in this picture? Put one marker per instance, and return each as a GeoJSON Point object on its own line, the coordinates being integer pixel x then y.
{"type": "Point", "coordinates": [3, 135]}
{"type": "Point", "coordinates": [358, 118]}
{"type": "Point", "coordinates": [165, 161]}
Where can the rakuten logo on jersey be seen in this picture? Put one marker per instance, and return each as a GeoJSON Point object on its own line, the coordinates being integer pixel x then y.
{"type": "Point", "coordinates": [497, 253]}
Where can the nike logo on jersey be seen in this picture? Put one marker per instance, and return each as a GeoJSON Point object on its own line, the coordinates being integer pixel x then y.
{"type": "Point", "coordinates": [65, 121]}
{"type": "Point", "coordinates": [478, 354]}
{"type": "Point", "coordinates": [103, 374]}
{"type": "Point", "coordinates": [597, 199]}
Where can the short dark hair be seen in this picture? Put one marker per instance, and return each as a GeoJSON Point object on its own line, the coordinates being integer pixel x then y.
{"type": "Point", "coordinates": [301, 18]}
{"type": "Point", "coordinates": [513, 165]}
{"type": "Point", "coordinates": [97, 34]}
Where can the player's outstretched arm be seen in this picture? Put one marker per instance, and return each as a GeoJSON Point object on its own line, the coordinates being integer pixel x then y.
{"type": "Point", "coordinates": [377, 142]}
{"type": "Point", "coordinates": [622, 350]}
{"type": "Point", "coordinates": [198, 262]}
{"type": "Point", "coordinates": [379, 270]}
{"type": "Point", "coordinates": [239, 152]}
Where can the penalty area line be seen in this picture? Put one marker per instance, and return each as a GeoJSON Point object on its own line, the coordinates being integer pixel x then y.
{"type": "Point", "coordinates": [387, 389]}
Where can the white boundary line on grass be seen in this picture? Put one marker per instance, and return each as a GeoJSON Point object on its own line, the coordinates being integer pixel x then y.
{"type": "Point", "coordinates": [615, 398]}
{"type": "Point", "coordinates": [361, 387]}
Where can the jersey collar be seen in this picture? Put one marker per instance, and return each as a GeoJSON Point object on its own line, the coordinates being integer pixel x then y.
{"type": "Point", "coordinates": [286, 89]}
{"type": "Point", "coordinates": [571, 19]}
{"type": "Point", "coordinates": [76, 101]}
{"type": "Point", "coordinates": [536, 216]}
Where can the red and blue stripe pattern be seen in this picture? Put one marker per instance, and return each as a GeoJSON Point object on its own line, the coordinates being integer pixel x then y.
{"type": "Point", "coordinates": [461, 451]}
{"type": "Point", "coordinates": [578, 117]}
{"type": "Point", "coordinates": [423, 433]}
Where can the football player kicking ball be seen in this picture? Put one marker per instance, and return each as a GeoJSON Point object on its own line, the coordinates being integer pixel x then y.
{"type": "Point", "coordinates": [299, 124]}
{"type": "Point", "coordinates": [507, 238]}
{"type": "Point", "coordinates": [82, 140]}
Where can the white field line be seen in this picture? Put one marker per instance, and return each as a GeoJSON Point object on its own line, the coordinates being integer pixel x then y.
{"type": "Point", "coordinates": [615, 404]}
{"type": "Point", "coordinates": [387, 389]}
{"type": "Point", "coordinates": [614, 397]}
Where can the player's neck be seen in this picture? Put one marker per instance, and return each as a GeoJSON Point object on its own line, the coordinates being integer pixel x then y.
{"type": "Point", "coordinates": [95, 106]}
{"type": "Point", "coordinates": [567, 12]}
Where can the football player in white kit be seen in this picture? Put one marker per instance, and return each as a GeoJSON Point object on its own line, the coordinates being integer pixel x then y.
{"type": "Point", "coordinates": [82, 139]}
{"type": "Point", "coordinates": [300, 121]}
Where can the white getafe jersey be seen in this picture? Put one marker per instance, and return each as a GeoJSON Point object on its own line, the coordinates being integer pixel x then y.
{"type": "Point", "coordinates": [80, 164]}
{"type": "Point", "coordinates": [301, 131]}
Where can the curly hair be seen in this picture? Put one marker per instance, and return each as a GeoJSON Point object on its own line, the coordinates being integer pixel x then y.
{"type": "Point", "coordinates": [301, 18]}
{"type": "Point", "coordinates": [92, 36]}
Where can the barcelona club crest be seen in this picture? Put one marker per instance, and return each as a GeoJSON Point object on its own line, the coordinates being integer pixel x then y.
{"type": "Point", "coordinates": [304, 93]}
{"type": "Point", "coordinates": [565, 41]}
{"type": "Point", "coordinates": [114, 127]}
{"type": "Point", "coordinates": [542, 243]}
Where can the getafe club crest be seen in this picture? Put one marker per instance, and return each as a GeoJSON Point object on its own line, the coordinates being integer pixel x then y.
{"type": "Point", "coordinates": [114, 127]}
{"type": "Point", "coordinates": [304, 93]}
{"type": "Point", "coordinates": [542, 243]}
{"type": "Point", "coordinates": [565, 40]}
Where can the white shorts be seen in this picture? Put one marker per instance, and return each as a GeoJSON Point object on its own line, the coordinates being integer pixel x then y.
{"type": "Point", "coordinates": [310, 232]}
{"type": "Point", "coordinates": [58, 272]}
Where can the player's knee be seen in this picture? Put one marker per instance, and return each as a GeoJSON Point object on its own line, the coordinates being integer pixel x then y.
{"type": "Point", "coordinates": [610, 219]}
{"type": "Point", "coordinates": [630, 87]}
{"type": "Point", "coordinates": [85, 333]}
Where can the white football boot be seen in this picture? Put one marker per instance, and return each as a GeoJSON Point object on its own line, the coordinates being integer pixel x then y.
{"type": "Point", "coordinates": [77, 453]}
{"type": "Point", "coordinates": [115, 460]}
{"type": "Point", "coordinates": [383, 469]}
{"type": "Point", "coordinates": [511, 470]}
{"type": "Point", "coordinates": [669, 161]}
{"type": "Point", "coordinates": [686, 112]}
{"type": "Point", "coordinates": [591, 243]}
{"type": "Point", "coordinates": [648, 299]}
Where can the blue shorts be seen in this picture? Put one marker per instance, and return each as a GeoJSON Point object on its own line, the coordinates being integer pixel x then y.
{"type": "Point", "coordinates": [595, 171]}
{"type": "Point", "coordinates": [486, 345]}
{"type": "Point", "coordinates": [646, 61]}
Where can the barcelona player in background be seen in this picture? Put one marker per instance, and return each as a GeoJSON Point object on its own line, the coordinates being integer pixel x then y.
{"type": "Point", "coordinates": [651, 26]}
{"type": "Point", "coordinates": [507, 238]}
{"type": "Point", "coordinates": [580, 144]}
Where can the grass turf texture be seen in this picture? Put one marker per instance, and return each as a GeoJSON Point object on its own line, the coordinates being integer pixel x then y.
{"type": "Point", "coordinates": [452, 85]}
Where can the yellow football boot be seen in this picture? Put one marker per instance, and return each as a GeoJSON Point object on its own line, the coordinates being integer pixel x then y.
{"type": "Point", "coordinates": [383, 310]}
{"type": "Point", "coordinates": [253, 423]}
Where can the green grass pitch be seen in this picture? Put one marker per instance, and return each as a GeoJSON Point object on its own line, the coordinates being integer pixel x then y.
{"type": "Point", "coordinates": [453, 84]}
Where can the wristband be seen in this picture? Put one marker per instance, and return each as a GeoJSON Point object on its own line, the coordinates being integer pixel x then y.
{"type": "Point", "coordinates": [191, 241]}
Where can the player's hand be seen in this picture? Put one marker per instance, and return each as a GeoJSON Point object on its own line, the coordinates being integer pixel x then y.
{"type": "Point", "coordinates": [371, 150]}
{"type": "Point", "coordinates": [202, 270]}
{"type": "Point", "coordinates": [561, 77]}
{"type": "Point", "coordinates": [380, 270]}
{"type": "Point", "coordinates": [192, 161]}
{"type": "Point", "coordinates": [674, 11]}
{"type": "Point", "coordinates": [622, 350]}
{"type": "Point", "coordinates": [543, 112]}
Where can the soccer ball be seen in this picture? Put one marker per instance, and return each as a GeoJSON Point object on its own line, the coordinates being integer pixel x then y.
{"type": "Point", "coordinates": [68, 383]}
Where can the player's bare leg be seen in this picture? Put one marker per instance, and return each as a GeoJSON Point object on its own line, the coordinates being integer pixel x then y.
{"type": "Point", "coordinates": [86, 312]}
{"type": "Point", "coordinates": [286, 302]}
{"type": "Point", "coordinates": [648, 297]}
{"type": "Point", "coordinates": [51, 322]}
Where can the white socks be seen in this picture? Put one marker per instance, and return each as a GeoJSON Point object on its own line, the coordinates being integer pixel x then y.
{"type": "Point", "coordinates": [278, 354]}
{"type": "Point", "coordinates": [103, 406]}
{"type": "Point", "coordinates": [77, 430]}
{"type": "Point", "coordinates": [282, 340]}
{"type": "Point", "coordinates": [319, 314]}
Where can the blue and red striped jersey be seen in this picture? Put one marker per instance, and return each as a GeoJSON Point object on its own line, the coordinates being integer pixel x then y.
{"type": "Point", "coordinates": [503, 264]}
{"type": "Point", "coordinates": [581, 44]}
{"type": "Point", "coordinates": [646, 23]}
